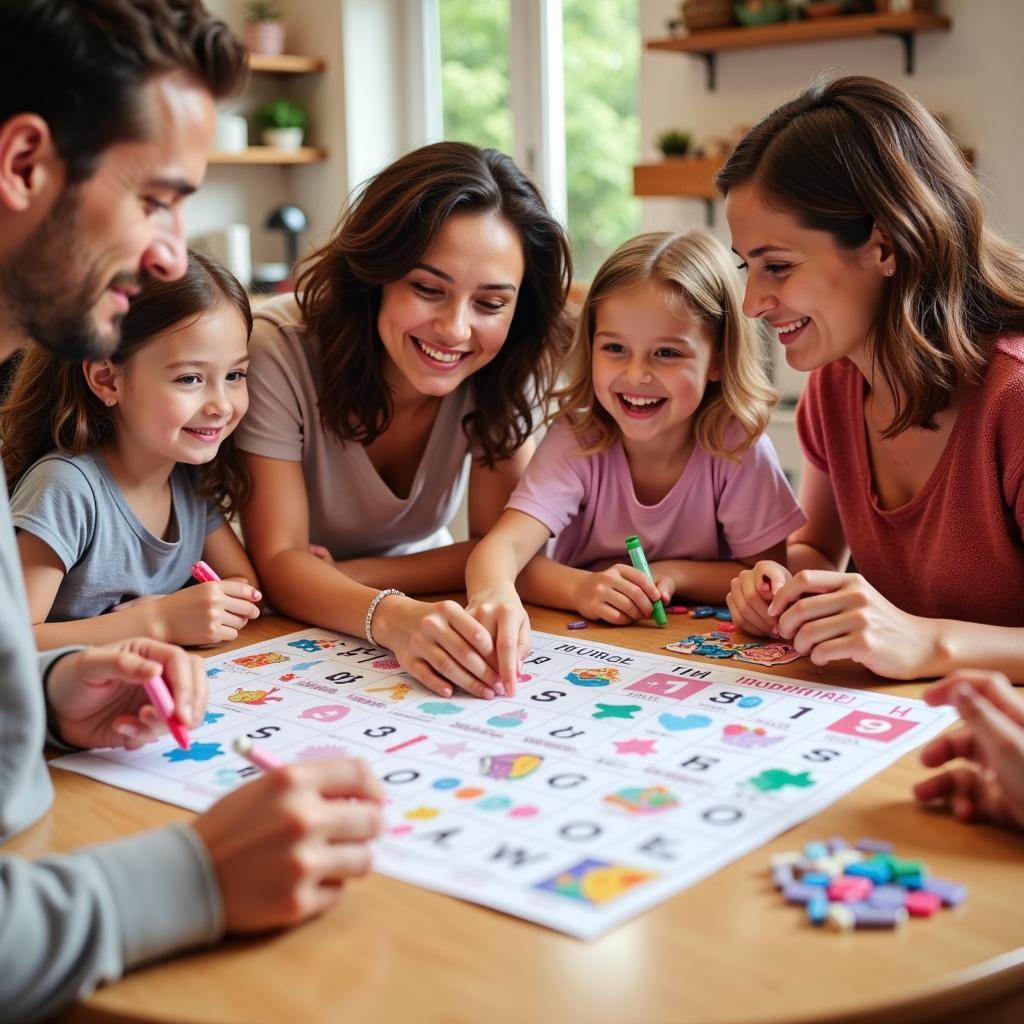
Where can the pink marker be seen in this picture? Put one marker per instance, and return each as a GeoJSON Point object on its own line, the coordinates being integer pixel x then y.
{"type": "Point", "coordinates": [160, 697]}
{"type": "Point", "coordinates": [203, 573]}
{"type": "Point", "coordinates": [262, 759]}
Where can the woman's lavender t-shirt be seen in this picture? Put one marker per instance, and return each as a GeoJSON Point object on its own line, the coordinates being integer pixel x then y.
{"type": "Point", "coordinates": [716, 510]}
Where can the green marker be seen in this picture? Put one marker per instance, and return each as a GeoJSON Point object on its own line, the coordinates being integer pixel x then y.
{"type": "Point", "coordinates": [639, 560]}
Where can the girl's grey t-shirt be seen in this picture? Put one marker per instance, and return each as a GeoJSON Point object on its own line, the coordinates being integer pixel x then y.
{"type": "Point", "coordinates": [74, 505]}
{"type": "Point", "coordinates": [352, 511]}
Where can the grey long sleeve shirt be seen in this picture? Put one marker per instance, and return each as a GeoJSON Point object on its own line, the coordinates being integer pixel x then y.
{"type": "Point", "coordinates": [69, 923]}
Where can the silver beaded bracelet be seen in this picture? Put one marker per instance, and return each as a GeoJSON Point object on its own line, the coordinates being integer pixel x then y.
{"type": "Point", "coordinates": [378, 597]}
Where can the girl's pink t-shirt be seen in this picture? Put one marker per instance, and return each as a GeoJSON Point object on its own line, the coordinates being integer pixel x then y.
{"type": "Point", "coordinates": [956, 549]}
{"type": "Point", "coordinates": [716, 510]}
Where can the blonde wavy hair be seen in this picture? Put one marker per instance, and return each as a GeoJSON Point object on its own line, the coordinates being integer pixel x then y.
{"type": "Point", "coordinates": [700, 280]}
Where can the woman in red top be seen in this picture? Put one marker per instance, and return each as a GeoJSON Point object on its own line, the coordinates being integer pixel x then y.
{"type": "Point", "coordinates": [864, 237]}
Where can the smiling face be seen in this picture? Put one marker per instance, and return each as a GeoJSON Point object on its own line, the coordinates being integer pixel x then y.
{"type": "Point", "coordinates": [184, 391]}
{"type": "Point", "coordinates": [650, 367]}
{"type": "Point", "coordinates": [822, 299]}
{"type": "Point", "coordinates": [450, 315]}
{"type": "Point", "coordinates": [71, 281]}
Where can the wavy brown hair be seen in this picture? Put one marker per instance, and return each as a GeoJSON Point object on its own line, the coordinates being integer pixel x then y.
{"type": "Point", "coordinates": [381, 237]}
{"type": "Point", "coordinates": [854, 152]}
{"type": "Point", "coordinates": [700, 280]}
{"type": "Point", "coordinates": [50, 404]}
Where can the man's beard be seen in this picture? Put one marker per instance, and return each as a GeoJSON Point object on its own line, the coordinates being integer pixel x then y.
{"type": "Point", "coordinates": [49, 298]}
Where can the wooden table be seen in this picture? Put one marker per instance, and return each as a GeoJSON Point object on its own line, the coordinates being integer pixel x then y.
{"type": "Point", "coordinates": [725, 950]}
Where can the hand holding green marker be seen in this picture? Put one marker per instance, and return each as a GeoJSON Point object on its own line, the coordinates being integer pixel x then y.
{"type": "Point", "coordinates": [639, 560]}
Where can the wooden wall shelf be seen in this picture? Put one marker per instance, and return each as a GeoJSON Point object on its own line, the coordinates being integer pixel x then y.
{"type": "Point", "coordinates": [904, 25]}
{"type": "Point", "coordinates": [285, 64]}
{"type": "Point", "coordinates": [691, 177]}
{"type": "Point", "coordinates": [271, 155]}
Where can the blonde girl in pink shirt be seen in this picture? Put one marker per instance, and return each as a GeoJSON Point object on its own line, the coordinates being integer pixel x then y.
{"type": "Point", "coordinates": [659, 433]}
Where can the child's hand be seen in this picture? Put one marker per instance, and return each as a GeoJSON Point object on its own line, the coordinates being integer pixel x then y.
{"type": "Point", "coordinates": [439, 644]}
{"type": "Point", "coordinates": [136, 601]}
{"type": "Point", "coordinates": [283, 846]}
{"type": "Point", "coordinates": [207, 613]}
{"type": "Point", "coordinates": [751, 593]}
{"type": "Point", "coordinates": [992, 789]}
{"type": "Point", "coordinates": [502, 614]}
{"type": "Point", "coordinates": [619, 594]}
{"type": "Point", "coordinates": [97, 700]}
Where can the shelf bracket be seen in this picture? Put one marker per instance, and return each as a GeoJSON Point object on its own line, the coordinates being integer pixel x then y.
{"type": "Point", "coordinates": [907, 39]}
{"type": "Point", "coordinates": [710, 67]}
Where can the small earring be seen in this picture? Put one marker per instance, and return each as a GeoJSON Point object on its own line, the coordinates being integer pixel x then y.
{"type": "Point", "coordinates": [108, 402]}
{"type": "Point", "coordinates": [891, 271]}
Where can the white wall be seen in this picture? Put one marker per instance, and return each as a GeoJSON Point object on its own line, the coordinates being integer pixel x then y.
{"type": "Point", "coordinates": [359, 109]}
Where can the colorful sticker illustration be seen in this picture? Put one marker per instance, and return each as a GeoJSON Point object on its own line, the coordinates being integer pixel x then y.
{"type": "Point", "coordinates": [635, 746]}
{"type": "Point", "coordinates": [255, 697]}
{"type": "Point", "coordinates": [437, 707]}
{"type": "Point", "coordinates": [778, 778]}
{"type": "Point", "coordinates": [422, 813]}
{"type": "Point", "coordinates": [616, 710]}
{"type": "Point", "coordinates": [326, 713]}
{"type": "Point", "coordinates": [212, 716]}
{"type": "Point", "coordinates": [643, 799]}
{"type": "Point", "coordinates": [196, 752]}
{"type": "Point", "coordinates": [510, 766]}
{"type": "Point", "coordinates": [507, 719]}
{"type": "Point", "coordinates": [312, 645]}
{"type": "Point", "coordinates": [386, 664]}
{"type": "Point", "coordinates": [737, 735]}
{"type": "Point", "coordinates": [768, 654]}
{"type": "Point", "coordinates": [453, 749]}
{"type": "Point", "coordinates": [602, 675]}
{"type": "Point", "coordinates": [261, 660]}
{"type": "Point", "coordinates": [595, 881]}
{"type": "Point", "coordinates": [396, 691]}
{"type": "Point", "coordinates": [677, 723]}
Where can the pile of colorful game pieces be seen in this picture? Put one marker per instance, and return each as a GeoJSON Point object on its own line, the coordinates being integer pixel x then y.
{"type": "Point", "coordinates": [705, 611]}
{"type": "Point", "coordinates": [860, 886]}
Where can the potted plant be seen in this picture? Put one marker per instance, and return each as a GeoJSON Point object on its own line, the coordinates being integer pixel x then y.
{"type": "Point", "coordinates": [674, 142]}
{"type": "Point", "coordinates": [264, 29]}
{"type": "Point", "coordinates": [281, 124]}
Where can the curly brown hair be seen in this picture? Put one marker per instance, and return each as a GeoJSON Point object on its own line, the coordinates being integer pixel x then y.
{"type": "Point", "coordinates": [381, 237]}
{"type": "Point", "coordinates": [50, 404]}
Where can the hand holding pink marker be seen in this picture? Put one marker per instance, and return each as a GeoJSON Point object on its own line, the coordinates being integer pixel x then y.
{"type": "Point", "coordinates": [203, 573]}
{"type": "Point", "coordinates": [262, 759]}
{"type": "Point", "coordinates": [161, 699]}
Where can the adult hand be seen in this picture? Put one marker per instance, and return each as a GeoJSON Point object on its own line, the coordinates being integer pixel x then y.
{"type": "Point", "coordinates": [750, 594]}
{"type": "Point", "coordinates": [284, 845]}
{"type": "Point", "coordinates": [502, 614]}
{"type": "Point", "coordinates": [992, 737]}
{"type": "Point", "coordinates": [207, 613]}
{"type": "Point", "coordinates": [97, 699]}
{"type": "Point", "coordinates": [830, 616]}
{"type": "Point", "coordinates": [439, 644]}
{"type": "Point", "coordinates": [319, 551]}
{"type": "Point", "coordinates": [620, 594]}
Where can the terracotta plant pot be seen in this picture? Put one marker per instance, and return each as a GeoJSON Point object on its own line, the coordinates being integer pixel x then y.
{"type": "Point", "coordinates": [266, 37]}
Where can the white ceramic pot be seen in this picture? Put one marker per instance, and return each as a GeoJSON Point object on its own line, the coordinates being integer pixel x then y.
{"type": "Point", "coordinates": [282, 138]}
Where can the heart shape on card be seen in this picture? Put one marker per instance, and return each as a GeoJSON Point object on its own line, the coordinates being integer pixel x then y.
{"type": "Point", "coordinates": [675, 723]}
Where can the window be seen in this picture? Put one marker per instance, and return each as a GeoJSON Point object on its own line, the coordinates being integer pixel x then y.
{"type": "Point", "coordinates": [554, 83]}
